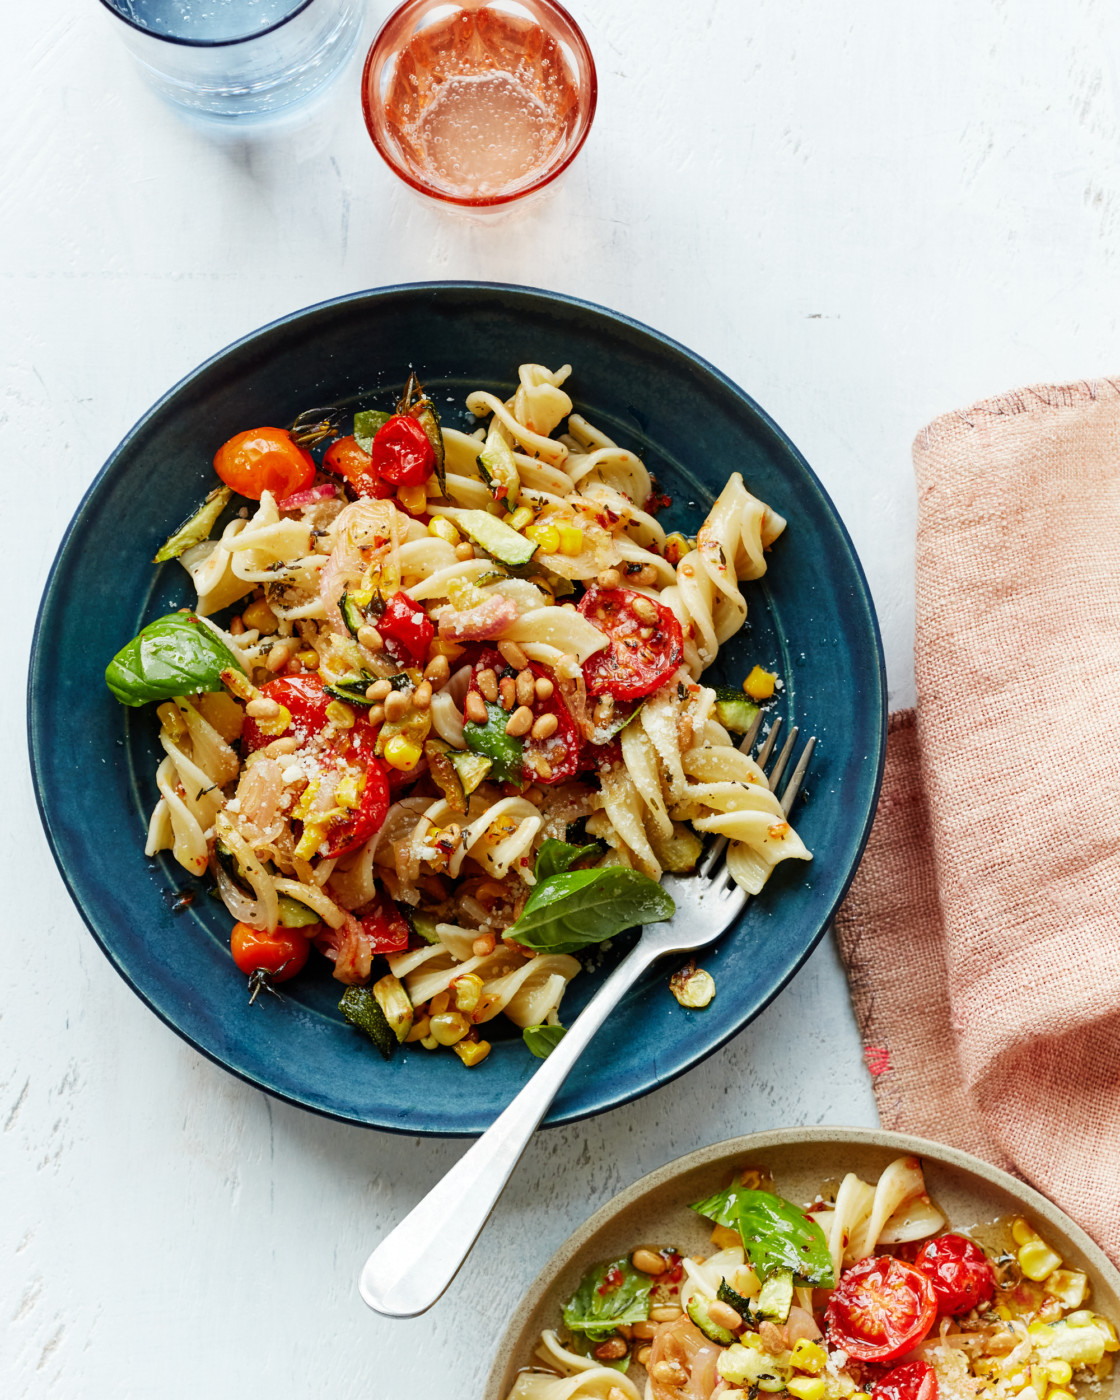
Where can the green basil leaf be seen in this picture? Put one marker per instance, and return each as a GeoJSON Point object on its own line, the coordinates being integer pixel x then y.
{"type": "Point", "coordinates": [505, 751]}
{"type": "Point", "coordinates": [543, 1039]}
{"type": "Point", "coordinates": [175, 655]}
{"type": "Point", "coordinates": [577, 908]}
{"type": "Point", "coordinates": [554, 857]}
{"type": "Point", "coordinates": [366, 425]}
{"type": "Point", "coordinates": [778, 1235]}
{"type": "Point", "coordinates": [723, 1207]}
{"type": "Point", "coordinates": [197, 527]}
{"type": "Point", "coordinates": [614, 1293]}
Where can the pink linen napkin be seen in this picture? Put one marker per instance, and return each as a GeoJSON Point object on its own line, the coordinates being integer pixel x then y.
{"type": "Point", "coordinates": [982, 934]}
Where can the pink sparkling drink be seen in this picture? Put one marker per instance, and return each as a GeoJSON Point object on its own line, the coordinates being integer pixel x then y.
{"type": "Point", "coordinates": [479, 104]}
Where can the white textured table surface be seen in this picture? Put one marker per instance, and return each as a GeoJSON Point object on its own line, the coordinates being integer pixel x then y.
{"type": "Point", "coordinates": [865, 213]}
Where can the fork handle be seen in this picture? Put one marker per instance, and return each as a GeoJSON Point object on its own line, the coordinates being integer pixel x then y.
{"type": "Point", "coordinates": [412, 1266]}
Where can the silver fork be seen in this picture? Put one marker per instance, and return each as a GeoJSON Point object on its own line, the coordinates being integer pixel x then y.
{"type": "Point", "coordinates": [413, 1265]}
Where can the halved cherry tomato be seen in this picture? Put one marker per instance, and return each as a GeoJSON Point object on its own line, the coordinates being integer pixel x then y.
{"type": "Point", "coordinates": [406, 630]}
{"type": "Point", "coordinates": [642, 654]}
{"type": "Point", "coordinates": [281, 953]}
{"type": "Point", "coordinates": [264, 459]}
{"type": "Point", "coordinates": [917, 1380]}
{"type": "Point", "coordinates": [402, 453]}
{"type": "Point", "coordinates": [306, 701]}
{"type": "Point", "coordinates": [384, 925]}
{"type": "Point", "coordinates": [880, 1309]}
{"type": "Point", "coordinates": [960, 1272]}
{"type": "Point", "coordinates": [561, 750]}
{"type": "Point", "coordinates": [345, 458]}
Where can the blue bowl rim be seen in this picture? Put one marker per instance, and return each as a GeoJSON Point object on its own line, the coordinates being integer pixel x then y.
{"type": "Point", "coordinates": [54, 578]}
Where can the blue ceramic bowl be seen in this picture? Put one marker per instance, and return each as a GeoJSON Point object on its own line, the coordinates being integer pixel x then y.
{"type": "Point", "coordinates": [811, 619]}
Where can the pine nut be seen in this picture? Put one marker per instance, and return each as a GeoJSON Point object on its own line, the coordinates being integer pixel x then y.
{"type": "Point", "coordinates": [422, 695]}
{"type": "Point", "coordinates": [543, 688]}
{"type": "Point", "coordinates": [724, 1315]}
{"type": "Point", "coordinates": [236, 626]}
{"type": "Point", "coordinates": [378, 690]}
{"type": "Point", "coordinates": [474, 708]}
{"type": "Point", "coordinates": [664, 1314]}
{"type": "Point", "coordinates": [545, 727]}
{"type": "Point", "coordinates": [277, 657]}
{"type": "Point", "coordinates": [279, 746]}
{"type": "Point", "coordinates": [487, 682]}
{"type": "Point", "coordinates": [377, 714]}
{"type": "Point", "coordinates": [647, 576]}
{"type": "Point", "coordinates": [668, 1372]}
{"type": "Point", "coordinates": [644, 609]}
{"type": "Point", "coordinates": [438, 670]}
{"type": "Point", "coordinates": [613, 1349]}
{"type": "Point", "coordinates": [513, 656]}
{"type": "Point", "coordinates": [645, 1260]}
{"type": "Point", "coordinates": [642, 1358]}
{"type": "Point", "coordinates": [520, 722]}
{"type": "Point", "coordinates": [464, 551]}
{"type": "Point", "coordinates": [396, 706]}
{"type": "Point", "coordinates": [262, 708]}
{"type": "Point", "coordinates": [525, 688]}
{"type": "Point", "coordinates": [609, 578]}
{"type": "Point", "coordinates": [644, 1331]}
{"type": "Point", "coordinates": [370, 638]}
{"type": "Point", "coordinates": [543, 768]}
{"type": "Point", "coordinates": [508, 689]}
{"type": "Point", "coordinates": [483, 945]}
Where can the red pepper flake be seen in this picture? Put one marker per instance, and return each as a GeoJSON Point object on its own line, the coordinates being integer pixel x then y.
{"type": "Point", "coordinates": [611, 1281]}
{"type": "Point", "coordinates": [658, 501]}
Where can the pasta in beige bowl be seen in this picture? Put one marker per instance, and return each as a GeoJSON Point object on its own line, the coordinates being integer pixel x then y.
{"type": "Point", "coordinates": [968, 1193]}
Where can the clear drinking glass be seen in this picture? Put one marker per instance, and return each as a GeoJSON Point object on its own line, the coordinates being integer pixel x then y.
{"type": "Point", "coordinates": [479, 102]}
{"type": "Point", "coordinates": [238, 58]}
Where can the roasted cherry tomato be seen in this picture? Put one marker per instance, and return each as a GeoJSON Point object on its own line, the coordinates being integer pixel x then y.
{"type": "Point", "coordinates": [345, 458]}
{"type": "Point", "coordinates": [914, 1381]}
{"type": "Point", "coordinates": [960, 1272]}
{"type": "Point", "coordinates": [401, 452]}
{"type": "Point", "coordinates": [406, 630]}
{"type": "Point", "coordinates": [644, 651]}
{"type": "Point", "coordinates": [556, 758]}
{"type": "Point", "coordinates": [264, 459]}
{"type": "Point", "coordinates": [548, 760]}
{"type": "Point", "coordinates": [323, 750]}
{"type": "Point", "coordinates": [281, 953]}
{"type": "Point", "coordinates": [880, 1309]}
{"type": "Point", "coordinates": [385, 926]}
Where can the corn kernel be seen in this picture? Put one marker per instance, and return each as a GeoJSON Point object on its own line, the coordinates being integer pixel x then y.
{"type": "Point", "coordinates": [472, 1052]}
{"type": "Point", "coordinates": [808, 1357]}
{"type": "Point", "coordinates": [1022, 1231]}
{"type": "Point", "coordinates": [413, 498]}
{"type": "Point", "coordinates": [309, 660]}
{"type": "Point", "coordinates": [759, 685]}
{"type": "Point", "coordinates": [443, 529]}
{"type": "Point", "coordinates": [420, 1029]}
{"type": "Point", "coordinates": [521, 517]}
{"type": "Point", "coordinates": [1103, 1369]}
{"type": "Point", "coordinates": [260, 616]}
{"type": "Point", "coordinates": [467, 991]}
{"type": "Point", "coordinates": [309, 843]}
{"type": "Point", "coordinates": [1060, 1372]}
{"type": "Point", "coordinates": [1112, 1342]}
{"type": "Point", "coordinates": [340, 715]}
{"type": "Point", "coordinates": [349, 792]}
{"type": "Point", "coordinates": [402, 754]}
{"type": "Point", "coordinates": [571, 540]}
{"type": "Point", "coordinates": [860, 1395]}
{"type": "Point", "coordinates": [1081, 1318]}
{"type": "Point", "coordinates": [439, 1003]}
{"type": "Point", "coordinates": [806, 1387]}
{"type": "Point", "coordinates": [1037, 1260]}
{"type": "Point", "coordinates": [277, 725]}
{"type": "Point", "coordinates": [676, 547]}
{"type": "Point", "coordinates": [1040, 1379]}
{"type": "Point", "coordinates": [362, 596]}
{"type": "Point", "coordinates": [429, 1042]}
{"type": "Point", "coordinates": [449, 1027]}
{"type": "Point", "coordinates": [545, 537]}
{"type": "Point", "coordinates": [723, 1237]}
{"type": "Point", "coordinates": [1057, 1394]}
{"type": "Point", "coordinates": [1068, 1286]}
{"type": "Point", "coordinates": [303, 806]}
{"type": "Point", "coordinates": [462, 594]}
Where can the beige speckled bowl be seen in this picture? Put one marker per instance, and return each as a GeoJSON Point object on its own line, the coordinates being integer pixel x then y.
{"type": "Point", "coordinates": [656, 1209]}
